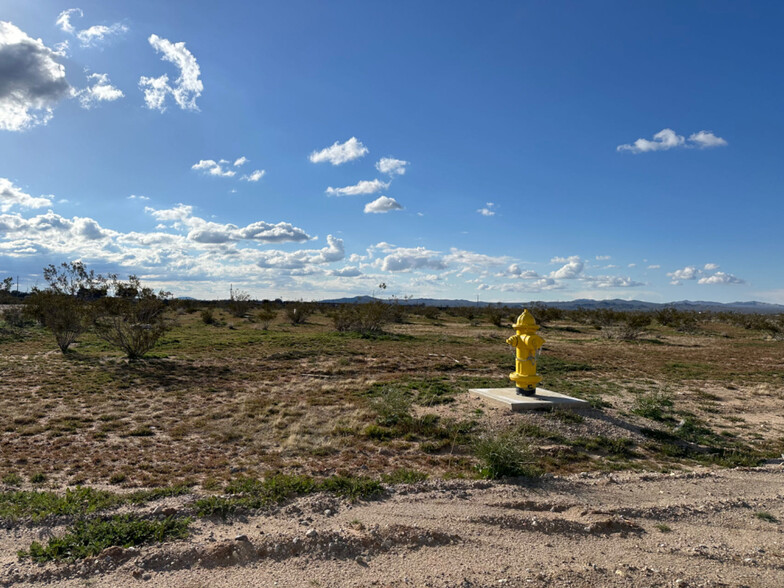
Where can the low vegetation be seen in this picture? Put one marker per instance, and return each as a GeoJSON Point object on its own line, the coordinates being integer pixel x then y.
{"type": "Point", "coordinates": [299, 397]}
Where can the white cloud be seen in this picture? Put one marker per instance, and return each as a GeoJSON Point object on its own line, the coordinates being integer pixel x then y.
{"type": "Point", "coordinates": [31, 81]}
{"type": "Point", "coordinates": [407, 259]}
{"type": "Point", "coordinates": [687, 273]}
{"type": "Point", "coordinates": [101, 91]}
{"type": "Point", "coordinates": [662, 141]}
{"type": "Point", "coordinates": [382, 204]}
{"type": "Point", "coordinates": [488, 210]}
{"type": "Point", "coordinates": [652, 267]}
{"type": "Point", "coordinates": [186, 88]}
{"type": "Point", "coordinates": [137, 197]}
{"type": "Point", "coordinates": [669, 139]}
{"type": "Point", "coordinates": [203, 231]}
{"type": "Point", "coordinates": [254, 176]}
{"type": "Point", "coordinates": [11, 196]}
{"type": "Point", "coordinates": [214, 168]}
{"type": "Point", "coordinates": [340, 152]}
{"type": "Point", "coordinates": [613, 282]}
{"type": "Point", "coordinates": [721, 278]}
{"type": "Point", "coordinates": [362, 187]}
{"type": "Point", "coordinates": [711, 266]}
{"type": "Point", "coordinates": [240, 161]}
{"type": "Point", "coordinates": [706, 139]}
{"type": "Point", "coordinates": [334, 251]}
{"type": "Point", "coordinates": [602, 257]}
{"type": "Point", "coordinates": [572, 269]}
{"type": "Point", "coordinates": [91, 35]}
{"type": "Point", "coordinates": [346, 272]}
{"type": "Point", "coordinates": [392, 166]}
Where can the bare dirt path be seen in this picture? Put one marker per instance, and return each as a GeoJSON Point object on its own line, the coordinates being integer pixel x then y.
{"type": "Point", "coordinates": [704, 528]}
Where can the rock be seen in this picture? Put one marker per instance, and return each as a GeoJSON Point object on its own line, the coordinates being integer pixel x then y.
{"type": "Point", "coordinates": [327, 513]}
{"type": "Point", "coordinates": [312, 533]}
{"type": "Point", "coordinates": [241, 538]}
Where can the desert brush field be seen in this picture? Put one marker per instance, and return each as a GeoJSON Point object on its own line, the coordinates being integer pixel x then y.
{"type": "Point", "coordinates": [269, 448]}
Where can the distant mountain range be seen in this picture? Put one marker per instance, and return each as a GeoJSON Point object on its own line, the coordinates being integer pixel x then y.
{"type": "Point", "coordinates": [616, 304]}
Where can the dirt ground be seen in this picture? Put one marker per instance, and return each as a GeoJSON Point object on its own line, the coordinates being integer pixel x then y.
{"type": "Point", "coordinates": [642, 489]}
{"type": "Point", "coordinates": [701, 528]}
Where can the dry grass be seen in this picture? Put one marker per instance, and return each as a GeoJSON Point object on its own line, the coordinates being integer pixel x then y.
{"type": "Point", "coordinates": [230, 397]}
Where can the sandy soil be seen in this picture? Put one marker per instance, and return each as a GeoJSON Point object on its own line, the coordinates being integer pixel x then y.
{"type": "Point", "coordinates": [701, 528]}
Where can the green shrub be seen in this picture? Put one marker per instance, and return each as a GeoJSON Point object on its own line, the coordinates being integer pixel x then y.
{"type": "Point", "coordinates": [654, 406]}
{"type": "Point", "coordinates": [208, 316]}
{"type": "Point", "coordinates": [367, 318]}
{"type": "Point", "coordinates": [505, 455]}
{"type": "Point", "coordinates": [133, 319]}
{"type": "Point", "coordinates": [64, 315]}
{"type": "Point", "coordinates": [89, 538]}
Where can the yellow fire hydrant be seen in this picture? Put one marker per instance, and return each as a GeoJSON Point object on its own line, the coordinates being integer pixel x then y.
{"type": "Point", "coordinates": [527, 345]}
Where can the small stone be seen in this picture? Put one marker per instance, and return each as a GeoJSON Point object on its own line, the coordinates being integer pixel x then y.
{"type": "Point", "coordinates": [241, 538]}
{"type": "Point", "coordinates": [311, 533]}
{"type": "Point", "coordinates": [146, 577]}
{"type": "Point", "coordinates": [681, 583]}
{"type": "Point", "coordinates": [327, 513]}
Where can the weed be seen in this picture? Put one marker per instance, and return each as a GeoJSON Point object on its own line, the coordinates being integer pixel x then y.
{"type": "Point", "coordinates": [654, 405]}
{"type": "Point", "coordinates": [404, 476]}
{"type": "Point", "coordinates": [38, 505]}
{"type": "Point", "coordinates": [89, 538]}
{"type": "Point", "coordinates": [38, 478]}
{"type": "Point", "coordinates": [12, 479]}
{"type": "Point", "coordinates": [505, 455]}
{"type": "Point", "coordinates": [766, 516]}
{"type": "Point", "coordinates": [664, 528]}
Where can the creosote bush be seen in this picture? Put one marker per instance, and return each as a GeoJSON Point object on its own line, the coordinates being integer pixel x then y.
{"type": "Point", "coordinates": [133, 320]}
{"type": "Point", "coordinates": [367, 318]}
{"type": "Point", "coordinates": [298, 312]}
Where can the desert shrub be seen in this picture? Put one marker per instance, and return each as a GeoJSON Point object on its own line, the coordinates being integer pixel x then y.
{"type": "Point", "coordinates": [133, 319]}
{"type": "Point", "coordinates": [64, 315]}
{"type": "Point", "coordinates": [265, 316]}
{"type": "Point", "coordinates": [13, 316]}
{"type": "Point", "coordinates": [654, 405]}
{"type": "Point", "coordinates": [89, 538]}
{"type": "Point", "coordinates": [208, 316]}
{"type": "Point", "coordinates": [239, 302]}
{"type": "Point", "coordinates": [502, 455]}
{"type": "Point", "coordinates": [393, 407]}
{"type": "Point", "coordinates": [362, 318]}
{"type": "Point", "coordinates": [684, 321]}
{"type": "Point", "coordinates": [298, 312]}
{"type": "Point", "coordinates": [496, 316]}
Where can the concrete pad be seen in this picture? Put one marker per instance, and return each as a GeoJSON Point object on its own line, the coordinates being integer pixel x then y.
{"type": "Point", "coordinates": [542, 400]}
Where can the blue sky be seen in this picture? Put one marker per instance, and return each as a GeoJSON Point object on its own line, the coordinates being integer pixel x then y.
{"type": "Point", "coordinates": [506, 150]}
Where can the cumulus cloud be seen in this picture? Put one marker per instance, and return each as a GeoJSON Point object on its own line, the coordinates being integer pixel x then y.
{"type": "Point", "coordinates": [362, 187]}
{"type": "Point", "coordinates": [487, 210]}
{"type": "Point", "coordinates": [706, 139]}
{"type": "Point", "coordinates": [11, 196]}
{"type": "Point", "coordinates": [662, 141]}
{"type": "Point", "coordinates": [572, 268]}
{"type": "Point", "coordinates": [703, 276]}
{"type": "Point", "coordinates": [214, 168]}
{"type": "Point", "coordinates": [382, 204]}
{"type": "Point", "coordinates": [240, 161]}
{"type": "Point", "coordinates": [254, 176]}
{"type": "Point", "coordinates": [721, 278]}
{"type": "Point", "coordinates": [347, 272]}
{"type": "Point", "coordinates": [92, 35]}
{"type": "Point", "coordinates": [101, 91]}
{"type": "Point", "coordinates": [334, 251]}
{"type": "Point", "coordinates": [340, 152]}
{"type": "Point", "coordinates": [185, 89]}
{"type": "Point", "coordinates": [407, 259]}
{"type": "Point", "coordinates": [203, 231]}
{"type": "Point", "coordinates": [687, 273]}
{"type": "Point", "coordinates": [668, 139]}
{"type": "Point", "coordinates": [31, 81]}
{"type": "Point", "coordinates": [613, 282]}
{"type": "Point", "coordinates": [391, 166]}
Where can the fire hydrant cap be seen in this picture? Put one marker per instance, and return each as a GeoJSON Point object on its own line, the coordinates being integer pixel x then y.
{"type": "Point", "coordinates": [526, 320]}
